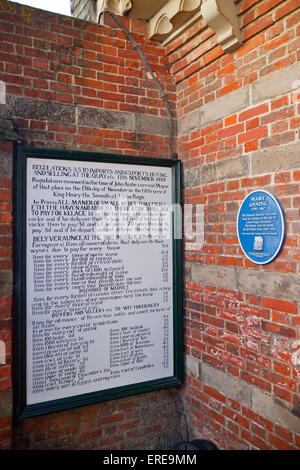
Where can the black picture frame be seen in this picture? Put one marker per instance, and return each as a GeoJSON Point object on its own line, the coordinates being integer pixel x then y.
{"type": "Point", "coordinates": [21, 409]}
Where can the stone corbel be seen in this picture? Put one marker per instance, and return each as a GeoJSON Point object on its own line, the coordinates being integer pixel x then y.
{"type": "Point", "coordinates": [171, 16]}
{"type": "Point", "coordinates": [119, 7]}
{"type": "Point", "coordinates": [221, 16]}
{"type": "Point", "coordinates": [175, 16]}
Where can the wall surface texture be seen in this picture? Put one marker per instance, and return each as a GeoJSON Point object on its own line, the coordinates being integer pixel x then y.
{"type": "Point", "coordinates": [78, 86]}
{"type": "Point", "coordinates": [75, 85]}
{"type": "Point", "coordinates": [238, 122]}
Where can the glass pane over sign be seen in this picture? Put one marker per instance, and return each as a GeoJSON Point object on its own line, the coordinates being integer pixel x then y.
{"type": "Point", "coordinates": [99, 286]}
{"type": "Point", "coordinates": [98, 254]}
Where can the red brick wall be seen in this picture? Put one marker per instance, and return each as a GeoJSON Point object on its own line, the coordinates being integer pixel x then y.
{"type": "Point", "coordinates": [73, 63]}
{"type": "Point", "coordinates": [76, 85]}
{"type": "Point", "coordinates": [238, 118]}
{"type": "Point", "coordinates": [238, 132]}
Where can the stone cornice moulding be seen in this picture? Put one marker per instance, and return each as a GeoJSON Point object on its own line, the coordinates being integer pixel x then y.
{"type": "Point", "coordinates": [176, 16]}
{"type": "Point", "coordinates": [221, 16]}
{"type": "Point", "coordinates": [119, 7]}
{"type": "Point", "coordinates": [170, 17]}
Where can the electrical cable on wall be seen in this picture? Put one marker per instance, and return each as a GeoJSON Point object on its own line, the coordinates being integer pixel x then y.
{"type": "Point", "coordinates": [146, 63]}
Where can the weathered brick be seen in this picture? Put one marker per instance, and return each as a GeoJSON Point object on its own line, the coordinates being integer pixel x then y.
{"type": "Point", "coordinates": [279, 304]}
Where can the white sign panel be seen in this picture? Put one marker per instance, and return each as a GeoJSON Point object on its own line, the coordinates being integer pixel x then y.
{"type": "Point", "coordinates": [99, 282]}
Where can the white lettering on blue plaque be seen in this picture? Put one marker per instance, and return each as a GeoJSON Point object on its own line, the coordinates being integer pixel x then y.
{"type": "Point", "coordinates": [260, 227]}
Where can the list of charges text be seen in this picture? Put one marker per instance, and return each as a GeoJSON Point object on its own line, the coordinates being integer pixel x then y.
{"type": "Point", "coordinates": [99, 294]}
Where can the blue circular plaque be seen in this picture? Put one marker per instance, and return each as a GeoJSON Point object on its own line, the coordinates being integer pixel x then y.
{"type": "Point", "coordinates": [260, 227]}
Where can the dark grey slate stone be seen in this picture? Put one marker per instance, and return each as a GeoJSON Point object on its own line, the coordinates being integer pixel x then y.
{"type": "Point", "coordinates": [105, 119]}
{"type": "Point", "coordinates": [40, 110]}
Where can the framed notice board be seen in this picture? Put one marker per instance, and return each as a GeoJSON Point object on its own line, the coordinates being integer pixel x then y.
{"type": "Point", "coordinates": [97, 278]}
